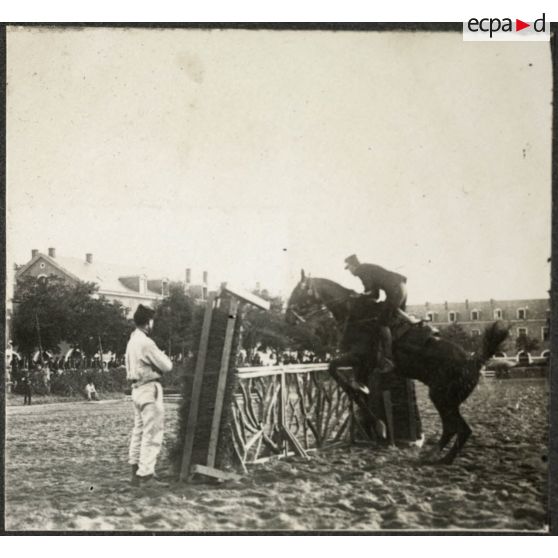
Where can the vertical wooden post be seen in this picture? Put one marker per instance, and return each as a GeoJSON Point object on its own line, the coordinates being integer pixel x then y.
{"type": "Point", "coordinates": [352, 437]}
{"type": "Point", "coordinates": [196, 389]}
{"type": "Point", "coordinates": [282, 412]}
{"type": "Point", "coordinates": [411, 409]}
{"type": "Point", "coordinates": [388, 407]}
{"type": "Point", "coordinates": [221, 384]}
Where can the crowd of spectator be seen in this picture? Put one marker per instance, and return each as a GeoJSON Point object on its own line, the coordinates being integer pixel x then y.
{"type": "Point", "coordinates": [269, 358]}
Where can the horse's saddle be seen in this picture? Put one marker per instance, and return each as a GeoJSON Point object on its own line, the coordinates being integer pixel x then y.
{"type": "Point", "coordinates": [403, 323]}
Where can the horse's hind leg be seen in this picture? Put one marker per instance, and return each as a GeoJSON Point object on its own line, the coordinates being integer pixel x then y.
{"type": "Point", "coordinates": [446, 436]}
{"type": "Point", "coordinates": [463, 433]}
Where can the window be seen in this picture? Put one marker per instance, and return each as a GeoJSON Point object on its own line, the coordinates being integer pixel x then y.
{"type": "Point", "coordinates": [475, 332]}
{"type": "Point", "coordinates": [544, 333]}
{"type": "Point", "coordinates": [522, 331]}
{"type": "Point", "coordinates": [475, 315]}
{"type": "Point", "coordinates": [452, 317]}
{"type": "Point", "coordinates": [431, 316]}
{"type": "Point", "coordinates": [521, 313]}
{"type": "Point", "coordinates": [498, 314]}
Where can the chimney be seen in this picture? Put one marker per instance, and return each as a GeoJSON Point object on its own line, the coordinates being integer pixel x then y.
{"type": "Point", "coordinates": [467, 303]}
{"type": "Point", "coordinates": [34, 252]}
{"type": "Point", "coordinates": [258, 286]}
{"type": "Point", "coordinates": [205, 277]}
{"type": "Point", "coordinates": [52, 252]}
{"type": "Point", "coordinates": [446, 305]}
{"type": "Point", "coordinates": [188, 276]}
{"type": "Point", "coordinates": [89, 258]}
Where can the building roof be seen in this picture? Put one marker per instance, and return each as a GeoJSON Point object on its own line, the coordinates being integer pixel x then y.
{"type": "Point", "coordinates": [106, 276]}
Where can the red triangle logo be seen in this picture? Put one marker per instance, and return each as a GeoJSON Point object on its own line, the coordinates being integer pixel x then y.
{"type": "Point", "coordinates": [519, 25]}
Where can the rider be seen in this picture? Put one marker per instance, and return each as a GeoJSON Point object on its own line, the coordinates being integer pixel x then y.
{"type": "Point", "coordinates": [374, 278]}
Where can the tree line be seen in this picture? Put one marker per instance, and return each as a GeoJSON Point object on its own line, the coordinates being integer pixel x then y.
{"type": "Point", "coordinates": [50, 311]}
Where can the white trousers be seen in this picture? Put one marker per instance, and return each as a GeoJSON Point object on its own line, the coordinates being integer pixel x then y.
{"type": "Point", "coordinates": [149, 426]}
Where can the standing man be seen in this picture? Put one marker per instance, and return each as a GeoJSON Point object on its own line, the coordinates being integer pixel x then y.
{"type": "Point", "coordinates": [145, 363]}
{"type": "Point", "coordinates": [376, 278]}
{"type": "Point", "coordinates": [26, 383]}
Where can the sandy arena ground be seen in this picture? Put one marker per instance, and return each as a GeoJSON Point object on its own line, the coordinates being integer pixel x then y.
{"type": "Point", "coordinates": [66, 470]}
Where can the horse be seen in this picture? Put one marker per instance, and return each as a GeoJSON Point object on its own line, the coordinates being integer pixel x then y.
{"type": "Point", "coordinates": [449, 372]}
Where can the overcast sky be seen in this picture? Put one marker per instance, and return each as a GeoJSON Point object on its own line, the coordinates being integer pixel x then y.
{"type": "Point", "coordinates": [254, 153]}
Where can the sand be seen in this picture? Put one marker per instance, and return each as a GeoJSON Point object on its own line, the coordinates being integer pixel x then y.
{"type": "Point", "coordinates": [66, 470]}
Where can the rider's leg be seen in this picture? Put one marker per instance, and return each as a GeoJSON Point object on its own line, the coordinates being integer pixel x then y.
{"type": "Point", "coordinates": [394, 300]}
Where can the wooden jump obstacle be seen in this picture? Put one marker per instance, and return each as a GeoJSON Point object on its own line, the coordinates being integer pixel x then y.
{"type": "Point", "coordinates": [232, 300]}
{"type": "Point", "coordinates": [241, 416]}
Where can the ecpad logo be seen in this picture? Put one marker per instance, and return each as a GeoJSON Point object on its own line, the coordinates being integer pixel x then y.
{"type": "Point", "coordinates": [505, 29]}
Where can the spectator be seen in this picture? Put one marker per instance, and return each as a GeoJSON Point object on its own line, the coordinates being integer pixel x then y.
{"type": "Point", "coordinates": [91, 392]}
{"type": "Point", "coordinates": [26, 387]}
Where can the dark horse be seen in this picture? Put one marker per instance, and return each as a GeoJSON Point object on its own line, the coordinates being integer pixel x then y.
{"type": "Point", "coordinates": [450, 373]}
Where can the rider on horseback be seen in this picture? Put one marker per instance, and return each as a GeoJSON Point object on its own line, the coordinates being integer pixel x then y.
{"type": "Point", "coordinates": [374, 278]}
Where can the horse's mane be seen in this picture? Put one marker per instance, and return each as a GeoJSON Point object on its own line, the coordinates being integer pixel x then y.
{"type": "Point", "coordinates": [333, 284]}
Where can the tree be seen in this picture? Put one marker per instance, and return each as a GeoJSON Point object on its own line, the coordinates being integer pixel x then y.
{"type": "Point", "coordinates": [457, 334]}
{"type": "Point", "coordinates": [319, 335]}
{"type": "Point", "coordinates": [269, 330]}
{"type": "Point", "coordinates": [526, 343]}
{"type": "Point", "coordinates": [265, 329]}
{"type": "Point", "coordinates": [97, 324]}
{"type": "Point", "coordinates": [50, 310]}
{"type": "Point", "coordinates": [41, 314]}
{"type": "Point", "coordinates": [173, 328]}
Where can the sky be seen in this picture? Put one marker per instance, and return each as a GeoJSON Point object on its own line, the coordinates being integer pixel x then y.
{"type": "Point", "coordinates": [253, 154]}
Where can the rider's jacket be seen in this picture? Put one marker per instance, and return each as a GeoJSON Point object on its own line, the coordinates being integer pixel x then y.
{"type": "Point", "coordinates": [374, 277]}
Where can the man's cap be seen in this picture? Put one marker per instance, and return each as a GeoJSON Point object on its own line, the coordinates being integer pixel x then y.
{"type": "Point", "coordinates": [143, 314]}
{"type": "Point", "coordinates": [351, 260]}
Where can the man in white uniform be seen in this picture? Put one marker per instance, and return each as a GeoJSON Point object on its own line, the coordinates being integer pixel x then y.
{"type": "Point", "coordinates": [144, 365]}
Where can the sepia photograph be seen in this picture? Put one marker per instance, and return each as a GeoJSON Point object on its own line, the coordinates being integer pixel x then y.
{"type": "Point", "coordinates": [265, 280]}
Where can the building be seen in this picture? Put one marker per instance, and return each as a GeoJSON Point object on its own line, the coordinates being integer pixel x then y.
{"type": "Point", "coordinates": [197, 292]}
{"type": "Point", "coordinates": [530, 317]}
{"type": "Point", "coordinates": [116, 283]}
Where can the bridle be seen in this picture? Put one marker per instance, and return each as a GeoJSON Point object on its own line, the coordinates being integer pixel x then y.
{"type": "Point", "coordinates": [297, 309]}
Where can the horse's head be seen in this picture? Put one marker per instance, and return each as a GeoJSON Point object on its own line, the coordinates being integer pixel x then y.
{"type": "Point", "coordinates": [303, 300]}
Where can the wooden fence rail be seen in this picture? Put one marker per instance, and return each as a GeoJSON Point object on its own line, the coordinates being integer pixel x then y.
{"type": "Point", "coordinates": [288, 409]}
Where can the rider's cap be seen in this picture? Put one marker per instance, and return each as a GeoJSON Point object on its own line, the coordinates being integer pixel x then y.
{"type": "Point", "coordinates": [143, 314]}
{"type": "Point", "coordinates": [351, 260]}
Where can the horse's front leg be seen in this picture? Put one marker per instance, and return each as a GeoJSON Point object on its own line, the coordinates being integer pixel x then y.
{"type": "Point", "coordinates": [355, 395]}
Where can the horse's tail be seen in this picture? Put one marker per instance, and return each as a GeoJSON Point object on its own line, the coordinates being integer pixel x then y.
{"type": "Point", "coordinates": [494, 335]}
